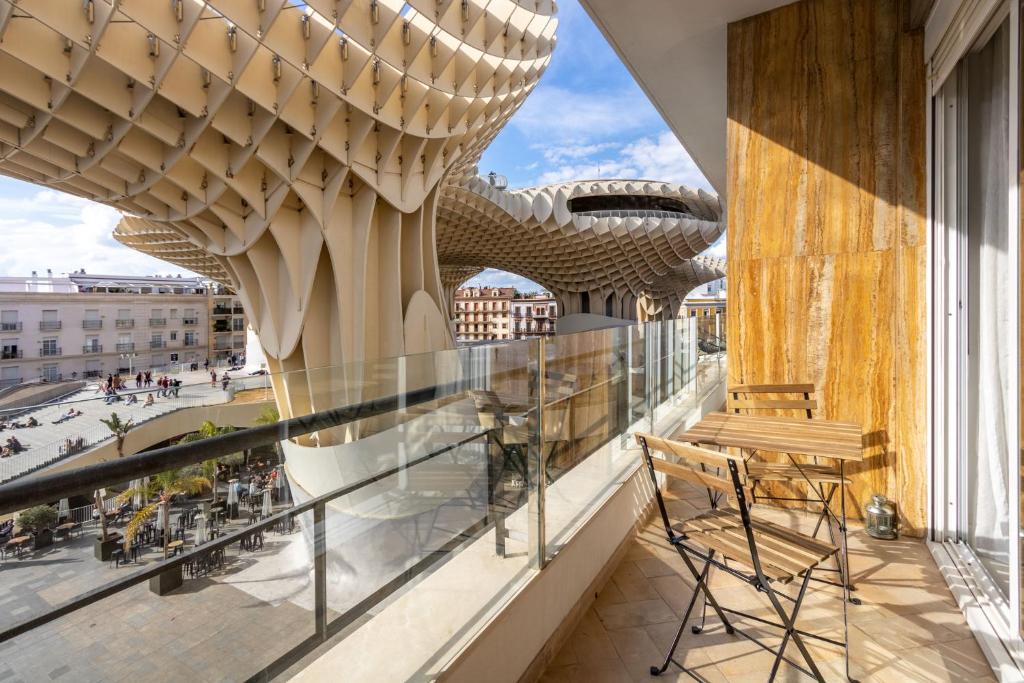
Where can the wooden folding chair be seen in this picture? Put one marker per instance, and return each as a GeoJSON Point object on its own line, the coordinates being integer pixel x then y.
{"type": "Point", "coordinates": [776, 556]}
{"type": "Point", "coordinates": [823, 479]}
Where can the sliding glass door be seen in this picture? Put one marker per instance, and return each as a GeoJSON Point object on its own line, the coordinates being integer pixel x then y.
{"type": "Point", "coordinates": [986, 319]}
{"type": "Point", "coordinates": [976, 221]}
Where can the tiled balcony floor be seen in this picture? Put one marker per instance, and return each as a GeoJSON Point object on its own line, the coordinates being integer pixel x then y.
{"type": "Point", "coordinates": [907, 629]}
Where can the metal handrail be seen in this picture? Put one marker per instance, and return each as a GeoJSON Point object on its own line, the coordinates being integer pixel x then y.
{"type": "Point", "coordinates": [22, 493]}
{"type": "Point", "coordinates": [316, 505]}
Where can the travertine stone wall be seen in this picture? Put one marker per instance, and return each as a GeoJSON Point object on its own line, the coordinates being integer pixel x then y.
{"type": "Point", "coordinates": [826, 216]}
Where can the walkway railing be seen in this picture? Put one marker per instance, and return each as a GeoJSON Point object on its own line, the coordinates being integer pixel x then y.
{"type": "Point", "coordinates": [493, 452]}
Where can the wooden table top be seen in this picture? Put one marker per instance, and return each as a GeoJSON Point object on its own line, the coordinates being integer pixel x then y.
{"type": "Point", "coordinates": [68, 525]}
{"type": "Point", "coordinates": [824, 438]}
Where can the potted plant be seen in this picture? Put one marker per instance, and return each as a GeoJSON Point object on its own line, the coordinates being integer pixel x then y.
{"type": "Point", "coordinates": [167, 485]}
{"type": "Point", "coordinates": [39, 521]}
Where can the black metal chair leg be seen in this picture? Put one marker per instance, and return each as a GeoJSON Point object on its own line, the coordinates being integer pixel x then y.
{"type": "Point", "coordinates": [824, 511]}
{"type": "Point", "coordinates": [789, 622]}
{"type": "Point", "coordinates": [657, 671]}
{"type": "Point", "coordinates": [708, 597]}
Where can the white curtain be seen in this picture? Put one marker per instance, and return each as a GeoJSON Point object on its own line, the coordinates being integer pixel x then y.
{"type": "Point", "coordinates": [990, 375]}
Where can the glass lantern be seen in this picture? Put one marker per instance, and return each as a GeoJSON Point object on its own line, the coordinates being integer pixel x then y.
{"type": "Point", "coordinates": [880, 518]}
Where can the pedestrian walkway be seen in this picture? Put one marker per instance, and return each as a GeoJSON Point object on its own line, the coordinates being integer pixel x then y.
{"type": "Point", "coordinates": [51, 442]}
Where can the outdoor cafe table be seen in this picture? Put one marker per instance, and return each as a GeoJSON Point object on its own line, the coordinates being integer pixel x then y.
{"type": "Point", "coordinates": [838, 441]}
{"type": "Point", "coordinates": [17, 543]}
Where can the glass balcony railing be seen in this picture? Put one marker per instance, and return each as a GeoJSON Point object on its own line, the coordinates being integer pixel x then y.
{"type": "Point", "coordinates": [404, 481]}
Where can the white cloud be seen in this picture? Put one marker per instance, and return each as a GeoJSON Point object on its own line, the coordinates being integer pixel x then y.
{"type": "Point", "coordinates": [717, 249]}
{"type": "Point", "coordinates": [551, 112]}
{"type": "Point", "coordinates": [47, 229]}
{"type": "Point", "coordinates": [557, 153]}
{"type": "Point", "coordinates": [646, 158]}
{"type": "Point", "coordinates": [493, 277]}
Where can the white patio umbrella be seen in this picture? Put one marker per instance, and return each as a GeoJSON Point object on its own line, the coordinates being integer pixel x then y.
{"type": "Point", "coordinates": [137, 497]}
{"type": "Point", "coordinates": [201, 535]}
{"type": "Point", "coordinates": [267, 505]}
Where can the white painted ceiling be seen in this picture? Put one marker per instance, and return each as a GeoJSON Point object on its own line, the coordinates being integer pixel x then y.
{"type": "Point", "coordinates": [676, 50]}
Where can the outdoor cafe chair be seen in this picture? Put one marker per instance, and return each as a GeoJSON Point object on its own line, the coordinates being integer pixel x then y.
{"type": "Point", "coordinates": [765, 555]}
{"type": "Point", "coordinates": [823, 479]}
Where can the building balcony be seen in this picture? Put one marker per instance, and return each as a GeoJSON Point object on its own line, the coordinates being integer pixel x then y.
{"type": "Point", "coordinates": [92, 348]}
{"type": "Point", "coordinates": [238, 310]}
{"type": "Point", "coordinates": [49, 325]}
{"type": "Point", "coordinates": [10, 327]}
{"type": "Point", "coordinates": [157, 344]}
{"type": "Point", "coordinates": [507, 568]}
{"type": "Point", "coordinates": [48, 352]}
{"type": "Point", "coordinates": [125, 347]}
{"type": "Point", "coordinates": [11, 354]}
{"type": "Point", "coordinates": [191, 342]}
{"type": "Point", "coordinates": [124, 323]}
{"type": "Point", "coordinates": [220, 310]}
{"type": "Point", "coordinates": [188, 322]}
{"type": "Point", "coordinates": [92, 324]}
{"type": "Point", "coordinates": [158, 322]}
{"type": "Point", "coordinates": [10, 382]}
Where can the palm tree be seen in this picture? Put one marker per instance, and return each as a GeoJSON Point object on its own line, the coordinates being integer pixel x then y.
{"type": "Point", "coordinates": [166, 485]}
{"type": "Point", "coordinates": [269, 416]}
{"type": "Point", "coordinates": [208, 467]}
{"type": "Point", "coordinates": [120, 430]}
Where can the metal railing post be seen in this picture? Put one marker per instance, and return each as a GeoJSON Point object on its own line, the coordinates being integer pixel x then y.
{"type": "Point", "coordinates": [320, 570]}
{"type": "Point", "coordinates": [536, 465]}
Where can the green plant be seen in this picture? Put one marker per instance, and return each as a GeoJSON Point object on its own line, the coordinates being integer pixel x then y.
{"type": "Point", "coordinates": [208, 469]}
{"type": "Point", "coordinates": [37, 518]}
{"type": "Point", "coordinates": [119, 428]}
{"type": "Point", "coordinates": [165, 485]}
{"type": "Point", "coordinates": [269, 416]}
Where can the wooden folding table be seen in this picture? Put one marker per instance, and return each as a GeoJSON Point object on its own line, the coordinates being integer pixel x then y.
{"type": "Point", "coordinates": [838, 441]}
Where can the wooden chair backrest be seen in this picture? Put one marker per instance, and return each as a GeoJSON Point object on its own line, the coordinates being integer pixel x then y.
{"type": "Point", "coordinates": [700, 466]}
{"type": "Point", "coordinates": [752, 397]}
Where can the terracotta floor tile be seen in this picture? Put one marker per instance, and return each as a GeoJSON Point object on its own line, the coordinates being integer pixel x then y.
{"type": "Point", "coordinates": [907, 629]}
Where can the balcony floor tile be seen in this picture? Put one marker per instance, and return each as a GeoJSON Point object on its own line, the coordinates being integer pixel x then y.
{"type": "Point", "coordinates": [908, 629]}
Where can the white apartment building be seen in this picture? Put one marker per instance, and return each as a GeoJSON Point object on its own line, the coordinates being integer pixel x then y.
{"type": "Point", "coordinates": [534, 315]}
{"type": "Point", "coordinates": [83, 326]}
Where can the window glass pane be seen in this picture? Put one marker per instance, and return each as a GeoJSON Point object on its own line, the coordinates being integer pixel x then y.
{"type": "Point", "coordinates": [988, 377]}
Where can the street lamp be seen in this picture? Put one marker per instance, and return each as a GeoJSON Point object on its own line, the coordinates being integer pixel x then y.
{"type": "Point", "coordinates": [129, 357]}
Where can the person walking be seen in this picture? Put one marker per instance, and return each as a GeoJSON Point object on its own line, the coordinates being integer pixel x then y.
{"type": "Point", "coordinates": [206, 365]}
{"type": "Point", "coordinates": [224, 382]}
{"type": "Point", "coordinates": [213, 378]}
{"type": "Point", "coordinates": [138, 380]}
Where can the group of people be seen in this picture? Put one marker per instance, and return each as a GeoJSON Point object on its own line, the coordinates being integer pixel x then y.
{"type": "Point", "coordinates": [225, 380]}
{"type": "Point", "coordinates": [15, 424]}
{"type": "Point", "coordinates": [72, 446]}
{"type": "Point", "coordinates": [11, 447]}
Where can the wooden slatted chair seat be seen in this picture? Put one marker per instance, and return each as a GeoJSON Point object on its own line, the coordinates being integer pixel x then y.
{"type": "Point", "coordinates": [787, 472]}
{"type": "Point", "coordinates": [755, 398]}
{"type": "Point", "coordinates": [784, 553]}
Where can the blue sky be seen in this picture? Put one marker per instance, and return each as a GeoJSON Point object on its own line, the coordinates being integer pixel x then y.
{"type": "Point", "coordinates": [586, 119]}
